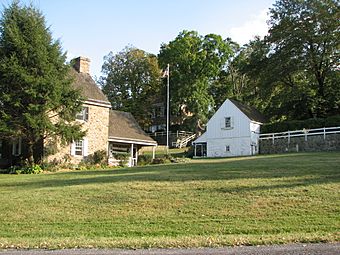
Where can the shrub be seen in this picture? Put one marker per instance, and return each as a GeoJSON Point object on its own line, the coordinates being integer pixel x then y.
{"type": "Point", "coordinates": [144, 160]}
{"type": "Point", "coordinates": [34, 169]}
{"type": "Point", "coordinates": [98, 157]}
{"type": "Point", "coordinates": [123, 157]}
{"type": "Point", "coordinates": [165, 159]}
{"type": "Point", "coordinates": [190, 152]}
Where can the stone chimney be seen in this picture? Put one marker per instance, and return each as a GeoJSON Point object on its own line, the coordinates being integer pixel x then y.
{"type": "Point", "coordinates": [82, 65]}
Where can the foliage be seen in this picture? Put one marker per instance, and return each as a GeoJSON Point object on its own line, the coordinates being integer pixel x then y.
{"type": "Point", "coordinates": [98, 157]}
{"type": "Point", "coordinates": [163, 159]}
{"type": "Point", "coordinates": [195, 63]}
{"type": "Point", "coordinates": [282, 126]}
{"type": "Point", "coordinates": [123, 157]}
{"type": "Point", "coordinates": [288, 198]}
{"type": "Point", "coordinates": [29, 169]}
{"type": "Point", "coordinates": [36, 99]}
{"type": "Point", "coordinates": [294, 70]}
{"type": "Point", "coordinates": [145, 159]}
{"type": "Point", "coordinates": [132, 82]}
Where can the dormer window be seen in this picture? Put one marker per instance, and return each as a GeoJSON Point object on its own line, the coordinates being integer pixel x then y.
{"type": "Point", "coordinates": [83, 114]}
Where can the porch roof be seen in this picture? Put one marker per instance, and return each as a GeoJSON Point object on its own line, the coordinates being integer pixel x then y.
{"type": "Point", "coordinates": [123, 128]}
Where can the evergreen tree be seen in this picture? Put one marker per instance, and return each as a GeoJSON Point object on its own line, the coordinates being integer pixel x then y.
{"type": "Point", "coordinates": [36, 99]}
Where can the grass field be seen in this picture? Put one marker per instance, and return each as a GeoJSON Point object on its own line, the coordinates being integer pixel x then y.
{"type": "Point", "coordinates": [210, 202]}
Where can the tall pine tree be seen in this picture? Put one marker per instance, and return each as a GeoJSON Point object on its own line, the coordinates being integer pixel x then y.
{"type": "Point", "coordinates": [36, 99]}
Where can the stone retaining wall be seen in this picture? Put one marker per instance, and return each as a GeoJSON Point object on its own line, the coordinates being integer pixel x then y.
{"type": "Point", "coordinates": [296, 144]}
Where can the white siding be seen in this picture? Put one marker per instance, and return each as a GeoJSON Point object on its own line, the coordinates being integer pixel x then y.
{"type": "Point", "coordinates": [240, 123]}
{"type": "Point", "coordinates": [238, 147]}
{"type": "Point", "coordinates": [242, 137]}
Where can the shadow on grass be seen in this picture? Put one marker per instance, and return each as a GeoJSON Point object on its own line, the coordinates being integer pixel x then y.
{"type": "Point", "coordinates": [308, 168]}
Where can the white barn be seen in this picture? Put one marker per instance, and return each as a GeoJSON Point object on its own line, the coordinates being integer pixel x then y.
{"type": "Point", "coordinates": [232, 131]}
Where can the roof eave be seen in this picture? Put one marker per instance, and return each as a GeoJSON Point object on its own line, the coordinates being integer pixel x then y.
{"type": "Point", "coordinates": [131, 140]}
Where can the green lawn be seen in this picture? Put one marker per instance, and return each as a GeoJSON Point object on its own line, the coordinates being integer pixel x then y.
{"type": "Point", "coordinates": [210, 202]}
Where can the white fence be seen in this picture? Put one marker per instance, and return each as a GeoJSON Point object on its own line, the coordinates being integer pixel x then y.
{"type": "Point", "coordinates": [300, 133]}
{"type": "Point", "coordinates": [177, 134]}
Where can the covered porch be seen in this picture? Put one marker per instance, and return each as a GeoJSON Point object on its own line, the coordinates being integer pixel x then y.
{"type": "Point", "coordinates": [126, 138]}
{"type": "Point", "coordinates": [125, 152]}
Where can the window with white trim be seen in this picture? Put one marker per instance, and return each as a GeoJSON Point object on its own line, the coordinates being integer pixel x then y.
{"type": "Point", "coordinates": [83, 114]}
{"type": "Point", "coordinates": [227, 148]}
{"type": "Point", "coordinates": [16, 147]}
{"type": "Point", "coordinates": [227, 122]}
{"type": "Point", "coordinates": [79, 148]}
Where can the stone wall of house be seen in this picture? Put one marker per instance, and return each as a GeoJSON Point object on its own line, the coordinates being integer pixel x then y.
{"type": "Point", "coordinates": [331, 142]}
{"type": "Point", "coordinates": [97, 135]}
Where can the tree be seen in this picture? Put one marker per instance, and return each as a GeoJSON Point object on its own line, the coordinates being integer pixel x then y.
{"type": "Point", "coordinates": [36, 99]}
{"type": "Point", "coordinates": [131, 82]}
{"type": "Point", "coordinates": [195, 64]}
{"type": "Point", "coordinates": [304, 40]}
{"type": "Point", "coordinates": [294, 72]}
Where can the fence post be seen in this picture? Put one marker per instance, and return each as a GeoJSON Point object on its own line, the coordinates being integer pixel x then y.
{"type": "Point", "coordinates": [324, 133]}
{"type": "Point", "coordinates": [288, 137]}
{"type": "Point", "coordinates": [273, 137]}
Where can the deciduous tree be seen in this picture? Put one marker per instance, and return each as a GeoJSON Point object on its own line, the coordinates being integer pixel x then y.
{"type": "Point", "coordinates": [195, 64]}
{"type": "Point", "coordinates": [131, 82]}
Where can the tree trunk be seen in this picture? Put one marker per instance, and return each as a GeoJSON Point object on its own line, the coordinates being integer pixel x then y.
{"type": "Point", "coordinates": [30, 158]}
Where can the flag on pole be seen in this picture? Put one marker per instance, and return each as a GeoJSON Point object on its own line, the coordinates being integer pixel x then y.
{"type": "Point", "coordinates": [165, 73]}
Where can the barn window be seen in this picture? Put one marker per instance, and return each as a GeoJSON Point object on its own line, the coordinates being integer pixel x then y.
{"type": "Point", "coordinates": [227, 148]}
{"type": "Point", "coordinates": [227, 122]}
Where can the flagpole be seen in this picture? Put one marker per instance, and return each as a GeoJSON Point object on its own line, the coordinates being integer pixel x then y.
{"type": "Point", "coordinates": [167, 108]}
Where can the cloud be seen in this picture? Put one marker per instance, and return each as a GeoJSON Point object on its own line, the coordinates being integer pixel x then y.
{"type": "Point", "coordinates": [255, 26]}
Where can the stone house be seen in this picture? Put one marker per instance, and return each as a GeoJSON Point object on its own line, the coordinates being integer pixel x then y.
{"type": "Point", "coordinates": [105, 128]}
{"type": "Point", "coordinates": [232, 131]}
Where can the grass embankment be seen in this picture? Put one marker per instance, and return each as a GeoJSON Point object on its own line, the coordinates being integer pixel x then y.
{"type": "Point", "coordinates": [261, 200]}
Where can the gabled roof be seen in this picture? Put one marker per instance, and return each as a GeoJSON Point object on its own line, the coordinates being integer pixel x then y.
{"type": "Point", "coordinates": [252, 113]}
{"type": "Point", "coordinates": [123, 126]}
{"type": "Point", "coordinates": [88, 87]}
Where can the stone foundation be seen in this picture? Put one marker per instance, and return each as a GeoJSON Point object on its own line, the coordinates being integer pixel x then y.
{"type": "Point", "coordinates": [331, 142]}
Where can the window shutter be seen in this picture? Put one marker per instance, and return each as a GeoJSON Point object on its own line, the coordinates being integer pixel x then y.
{"type": "Point", "coordinates": [73, 149]}
{"type": "Point", "coordinates": [86, 113]}
{"type": "Point", "coordinates": [20, 143]}
{"type": "Point", "coordinates": [85, 147]}
{"type": "Point", "coordinates": [232, 122]}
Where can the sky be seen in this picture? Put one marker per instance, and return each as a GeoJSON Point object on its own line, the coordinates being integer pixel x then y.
{"type": "Point", "coordinates": [94, 28]}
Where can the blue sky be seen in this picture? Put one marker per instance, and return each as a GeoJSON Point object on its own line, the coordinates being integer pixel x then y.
{"type": "Point", "coordinates": [93, 28]}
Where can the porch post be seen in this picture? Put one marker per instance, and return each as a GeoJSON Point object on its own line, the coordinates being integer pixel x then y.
{"type": "Point", "coordinates": [131, 164]}
{"type": "Point", "coordinates": [153, 152]}
{"type": "Point", "coordinates": [195, 150]}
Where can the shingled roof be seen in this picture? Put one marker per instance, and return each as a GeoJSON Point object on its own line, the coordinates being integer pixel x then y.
{"type": "Point", "coordinates": [252, 113]}
{"type": "Point", "coordinates": [88, 87]}
{"type": "Point", "coordinates": [123, 126]}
